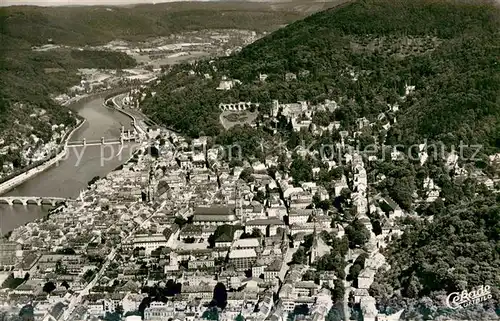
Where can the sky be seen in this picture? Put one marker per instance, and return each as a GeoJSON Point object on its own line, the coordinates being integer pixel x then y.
{"type": "Point", "coordinates": [75, 2]}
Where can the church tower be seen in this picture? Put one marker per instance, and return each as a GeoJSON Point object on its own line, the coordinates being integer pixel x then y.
{"type": "Point", "coordinates": [319, 248]}
{"type": "Point", "coordinates": [313, 255]}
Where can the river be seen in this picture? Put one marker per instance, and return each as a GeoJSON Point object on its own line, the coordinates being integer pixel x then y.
{"type": "Point", "coordinates": [70, 176]}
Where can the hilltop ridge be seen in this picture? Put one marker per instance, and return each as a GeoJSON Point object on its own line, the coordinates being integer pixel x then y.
{"type": "Point", "coordinates": [97, 25]}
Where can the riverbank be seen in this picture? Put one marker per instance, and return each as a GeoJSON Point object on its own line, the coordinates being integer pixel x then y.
{"type": "Point", "coordinates": [32, 172]}
{"type": "Point", "coordinates": [37, 168]}
{"type": "Point", "coordinates": [121, 110]}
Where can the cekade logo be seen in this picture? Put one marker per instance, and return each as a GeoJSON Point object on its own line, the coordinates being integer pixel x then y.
{"type": "Point", "coordinates": [463, 299]}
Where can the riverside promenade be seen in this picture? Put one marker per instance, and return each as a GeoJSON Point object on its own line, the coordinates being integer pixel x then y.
{"type": "Point", "coordinates": [27, 174]}
{"type": "Point", "coordinates": [117, 106]}
{"type": "Point", "coordinates": [23, 177]}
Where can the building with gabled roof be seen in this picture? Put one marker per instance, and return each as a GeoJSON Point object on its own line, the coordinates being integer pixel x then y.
{"type": "Point", "coordinates": [250, 243]}
{"type": "Point", "coordinates": [214, 215]}
{"type": "Point", "coordinates": [267, 226]}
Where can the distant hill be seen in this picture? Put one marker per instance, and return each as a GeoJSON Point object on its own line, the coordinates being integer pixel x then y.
{"type": "Point", "coordinates": [94, 25]}
{"type": "Point", "coordinates": [80, 3]}
{"type": "Point", "coordinates": [448, 50]}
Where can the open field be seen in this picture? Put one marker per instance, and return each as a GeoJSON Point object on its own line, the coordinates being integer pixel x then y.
{"type": "Point", "coordinates": [230, 119]}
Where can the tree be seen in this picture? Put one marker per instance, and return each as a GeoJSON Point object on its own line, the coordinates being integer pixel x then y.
{"type": "Point", "coordinates": [225, 229]}
{"type": "Point", "coordinates": [93, 180]}
{"type": "Point", "coordinates": [49, 287]}
{"type": "Point", "coordinates": [246, 174]}
{"type": "Point", "coordinates": [321, 118]}
{"type": "Point", "coordinates": [413, 287]}
{"type": "Point", "coordinates": [144, 304]}
{"type": "Point", "coordinates": [65, 284]}
{"type": "Point", "coordinates": [300, 256]}
{"type": "Point", "coordinates": [354, 271]}
{"type": "Point", "coordinates": [271, 171]}
{"type": "Point", "coordinates": [377, 227]}
{"type": "Point", "coordinates": [357, 234]}
{"type": "Point", "coordinates": [366, 140]}
{"type": "Point", "coordinates": [180, 221]}
{"type": "Point", "coordinates": [310, 275]}
{"type": "Point", "coordinates": [338, 290]}
{"type": "Point", "coordinates": [337, 172]}
{"type": "Point", "coordinates": [402, 192]}
{"type": "Point", "coordinates": [220, 296]}
{"type": "Point", "coordinates": [27, 313]}
{"type": "Point", "coordinates": [335, 313]}
{"type": "Point", "coordinates": [172, 288]}
{"type": "Point", "coordinates": [119, 309]}
{"type": "Point", "coordinates": [301, 170]}
{"type": "Point", "coordinates": [429, 257]}
{"type": "Point", "coordinates": [112, 316]}
{"type": "Point", "coordinates": [324, 204]}
{"type": "Point", "coordinates": [260, 196]}
{"type": "Point", "coordinates": [211, 314]}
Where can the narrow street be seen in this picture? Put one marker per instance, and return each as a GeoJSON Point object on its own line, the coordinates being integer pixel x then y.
{"type": "Point", "coordinates": [287, 259]}
{"type": "Point", "coordinates": [347, 287]}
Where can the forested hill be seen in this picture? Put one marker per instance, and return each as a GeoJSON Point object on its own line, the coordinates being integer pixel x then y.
{"type": "Point", "coordinates": [97, 25]}
{"type": "Point", "coordinates": [448, 50]}
{"type": "Point", "coordinates": [458, 250]}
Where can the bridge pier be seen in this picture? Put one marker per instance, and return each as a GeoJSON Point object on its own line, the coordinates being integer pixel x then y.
{"type": "Point", "coordinates": [84, 142]}
{"type": "Point", "coordinates": [102, 140]}
{"type": "Point", "coordinates": [18, 201]}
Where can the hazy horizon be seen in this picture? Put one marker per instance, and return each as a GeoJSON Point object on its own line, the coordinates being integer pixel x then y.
{"type": "Point", "coordinates": [50, 3]}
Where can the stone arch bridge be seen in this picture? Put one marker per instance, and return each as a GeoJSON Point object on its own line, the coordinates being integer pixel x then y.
{"type": "Point", "coordinates": [33, 200]}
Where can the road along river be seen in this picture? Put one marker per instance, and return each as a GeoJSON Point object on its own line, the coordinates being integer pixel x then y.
{"type": "Point", "coordinates": [72, 174]}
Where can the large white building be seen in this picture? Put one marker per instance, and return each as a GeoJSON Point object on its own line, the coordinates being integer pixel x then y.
{"type": "Point", "coordinates": [151, 242]}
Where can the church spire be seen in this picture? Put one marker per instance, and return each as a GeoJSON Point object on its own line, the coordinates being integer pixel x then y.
{"type": "Point", "coordinates": [314, 248]}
